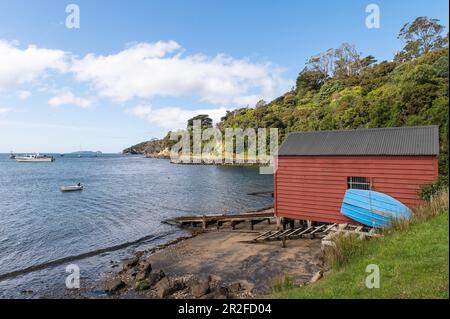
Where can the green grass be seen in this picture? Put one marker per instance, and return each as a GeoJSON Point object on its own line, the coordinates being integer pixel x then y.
{"type": "Point", "coordinates": [413, 262]}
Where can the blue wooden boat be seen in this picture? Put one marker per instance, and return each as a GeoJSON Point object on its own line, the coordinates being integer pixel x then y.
{"type": "Point", "coordinates": [372, 208]}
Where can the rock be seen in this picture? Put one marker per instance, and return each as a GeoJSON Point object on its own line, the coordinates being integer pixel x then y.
{"type": "Point", "coordinates": [178, 285]}
{"type": "Point", "coordinates": [146, 267]}
{"type": "Point", "coordinates": [200, 287]}
{"type": "Point", "coordinates": [235, 287]}
{"type": "Point", "coordinates": [318, 275]}
{"type": "Point", "coordinates": [142, 285]}
{"type": "Point", "coordinates": [163, 287]}
{"type": "Point", "coordinates": [219, 293]}
{"type": "Point", "coordinates": [114, 285]}
{"type": "Point", "coordinates": [141, 276]}
{"type": "Point", "coordinates": [166, 287]}
{"type": "Point", "coordinates": [129, 263]}
{"type": "Point", "coordinates": [145, 270]}
{"type": "Point", "coordinates": [155, 277]}
{"type": "Point", "coordinates": [132, 272]}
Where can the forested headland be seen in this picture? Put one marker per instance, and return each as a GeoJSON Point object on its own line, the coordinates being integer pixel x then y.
{"type": "Point", "coordinates": [341, 89]}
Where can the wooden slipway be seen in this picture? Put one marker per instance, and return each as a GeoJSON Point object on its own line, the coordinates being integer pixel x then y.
{"type": "Point", "coordinates": [219, 219]}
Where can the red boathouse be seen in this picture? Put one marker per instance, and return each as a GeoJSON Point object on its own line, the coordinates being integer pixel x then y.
{"type": "Point", "coordinates": [316, 168]}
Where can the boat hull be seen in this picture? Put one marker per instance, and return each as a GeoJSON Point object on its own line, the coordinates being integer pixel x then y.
{"type": "Point", "coordinates": [71, 188]}
{"type": "Point", "coordinates": [34, 160]}
{"type": "Point", "coordinates": [372, 208]}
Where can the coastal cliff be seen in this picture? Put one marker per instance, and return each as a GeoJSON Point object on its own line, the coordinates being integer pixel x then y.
{"type": "Point", "coordinates": [152, 148]}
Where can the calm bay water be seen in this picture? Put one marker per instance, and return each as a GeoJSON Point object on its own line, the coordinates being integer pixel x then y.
{"type": "Point", "coordinates": [124, 200]}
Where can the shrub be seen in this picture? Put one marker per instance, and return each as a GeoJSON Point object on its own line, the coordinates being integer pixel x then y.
{"type": "Point", "coordinates": [435, 205]}
{"type": "Point", "coordinates": [428, 191]}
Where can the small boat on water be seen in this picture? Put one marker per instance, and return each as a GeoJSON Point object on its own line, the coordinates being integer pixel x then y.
{"type": "Point", "coordinates": [73, 188]}
{"type": "Point", "coordinates": [372, 208]}
{"type": "Point", "coordinates": [12, 156]}
{"type": "Point", "coordinates": [34, 158]}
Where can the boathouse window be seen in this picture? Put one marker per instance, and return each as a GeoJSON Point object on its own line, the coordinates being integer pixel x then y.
{"type": "Point", "coordinates": [354, 182]}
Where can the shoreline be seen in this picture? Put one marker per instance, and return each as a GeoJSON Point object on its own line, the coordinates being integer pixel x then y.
{"type": "Point", "coordinates": [213, 162]}
{"type": "Point", "coordinates": [214, 264]}
{"type": "Point", "coordinates": [204, 264]}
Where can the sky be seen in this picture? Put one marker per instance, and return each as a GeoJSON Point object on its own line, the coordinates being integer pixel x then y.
{"type": "Point", "coordinates": [135, 69]}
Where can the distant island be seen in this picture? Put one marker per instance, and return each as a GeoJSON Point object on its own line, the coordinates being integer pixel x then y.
{"type": "Point", "coordinates": [85, 153]}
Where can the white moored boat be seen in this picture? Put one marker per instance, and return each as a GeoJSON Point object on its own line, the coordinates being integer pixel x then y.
{"type": "Point", "coordinates": [73, 188]}
{"type": "Point", "coordinates": [35, 158]}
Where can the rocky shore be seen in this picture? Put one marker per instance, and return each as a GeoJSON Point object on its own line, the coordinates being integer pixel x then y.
{"type": "Point", "coordinates": [215, 265]}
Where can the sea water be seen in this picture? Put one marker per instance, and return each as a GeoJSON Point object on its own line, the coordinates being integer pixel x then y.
{"type": "Point", "coordinates": [42, 230]}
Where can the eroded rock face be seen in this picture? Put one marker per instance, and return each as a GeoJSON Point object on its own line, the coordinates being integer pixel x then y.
{"type": "Point", "coordinates": [144, 271]}
{"type": "Point", "coordinates": [130, 263]}
{"type": "Point", "coordinates": [114, 285]}
{"type": "Point", "coordinates": [163, 287]}
{"type": "Point", "coordinates": [235, 287]}
{"type": "Point", "coordinates": [155, 277]}
{"type": "Point", "coordinates": [218, 293]}
{"type": "Point", "coordinates": [166, 287]}
{"type": "Point", "coordinates": [200, 287]}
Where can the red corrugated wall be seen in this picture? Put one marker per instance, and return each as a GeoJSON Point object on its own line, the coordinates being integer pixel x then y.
{"type": "Point", "coordinates": [312, 187]}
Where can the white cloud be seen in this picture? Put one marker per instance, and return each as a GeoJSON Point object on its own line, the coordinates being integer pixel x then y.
{"type": "Point", "coordinates": [67, 98]}
{"type": "Point", "coordinates": [146, 70]}
{"type": "Point", "coordinates": [23, 95]}
{"type": "Point", "coordinates": [173, 117]}
{"type": "Point", "coordinates": [18, 66]}
{"type": "Point", "coordinates": [4, 110]}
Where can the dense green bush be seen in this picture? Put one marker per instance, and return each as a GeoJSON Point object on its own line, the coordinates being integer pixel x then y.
{"type": "Point", "coordinates": [409, 91]}
{"type": "Point", "coordinates": [431, 190]}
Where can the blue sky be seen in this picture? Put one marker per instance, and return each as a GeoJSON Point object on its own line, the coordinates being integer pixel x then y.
{"type": "Point", "coordinates": [135, 69]}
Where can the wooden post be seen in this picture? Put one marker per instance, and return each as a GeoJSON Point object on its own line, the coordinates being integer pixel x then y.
{"type": "Point", "coordinates": [204, 222]}
{"type": "Point", "coordinates": [279, 222]}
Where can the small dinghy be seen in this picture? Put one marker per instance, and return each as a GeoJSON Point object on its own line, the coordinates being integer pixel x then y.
{"type": "Point", "coordinates": [372, 208]}
{"type": "Point", "coordinates": [73, 188]}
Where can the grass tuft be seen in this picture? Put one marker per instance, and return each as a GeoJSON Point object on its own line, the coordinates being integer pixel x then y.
{"type": "Point", "coordinates": [347, 246]}
{"type": "Point", "coordinates": [282, 283]}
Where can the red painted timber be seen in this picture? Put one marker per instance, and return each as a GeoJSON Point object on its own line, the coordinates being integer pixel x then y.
{"type": "Point", "coordinates": [313, 187]}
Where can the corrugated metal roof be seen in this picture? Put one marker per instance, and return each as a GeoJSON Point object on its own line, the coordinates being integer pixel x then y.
{"type": "Point", "coordinates": [417, 140]}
